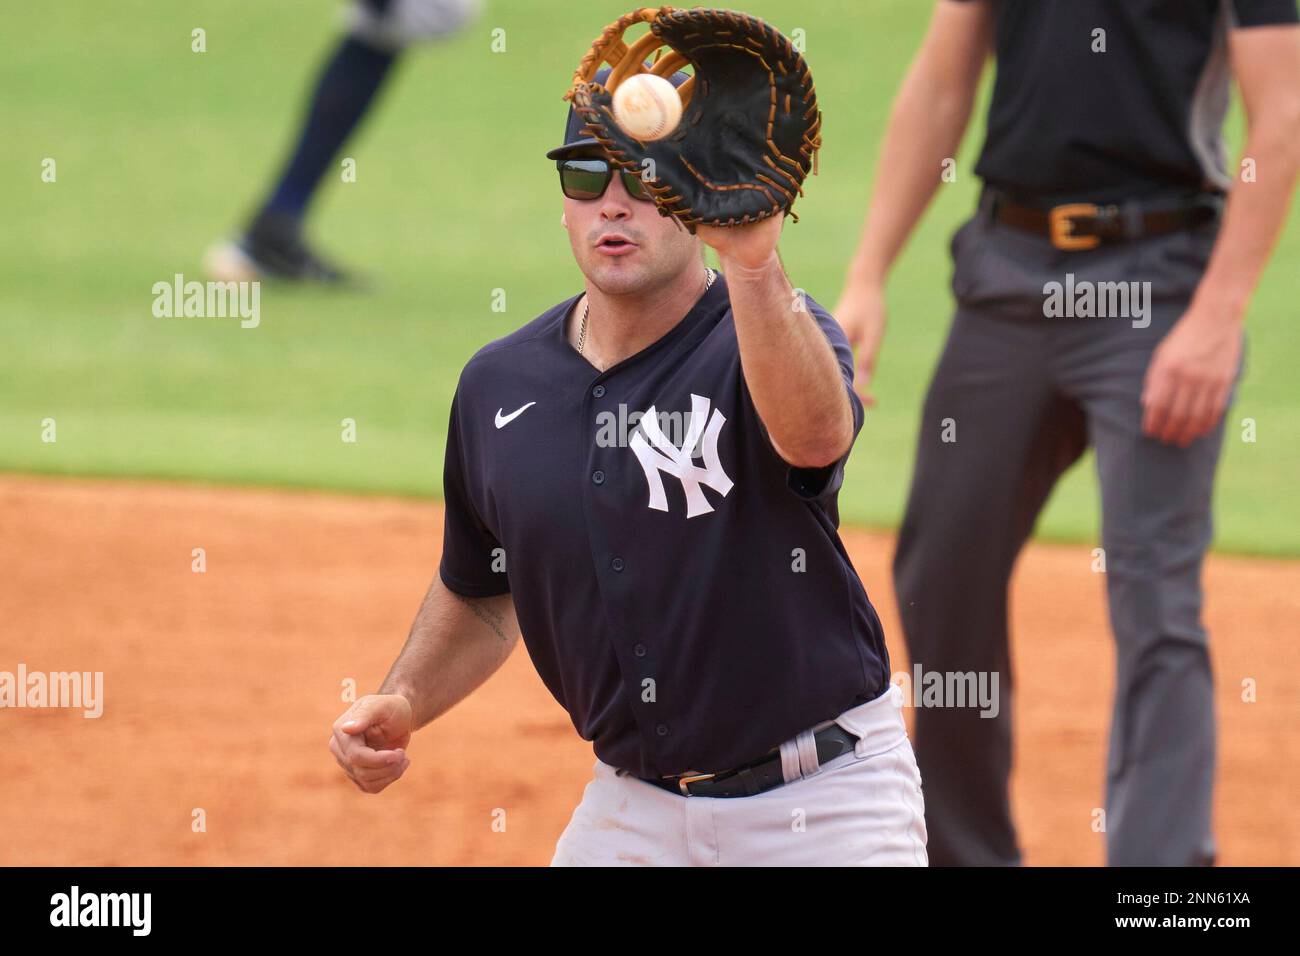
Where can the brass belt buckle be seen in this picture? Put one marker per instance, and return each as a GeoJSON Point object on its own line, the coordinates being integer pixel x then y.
{"type": "Point", "coordinates": [1061, 226]}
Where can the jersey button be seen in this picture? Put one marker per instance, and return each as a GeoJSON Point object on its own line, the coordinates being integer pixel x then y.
{"type": "Point", "coordinates": [639, 650]}
{"type": "Point", "coordinates": [598, 391]}
{"type": "Point", "coordinates": [661, 730]}
{"type": "Point", "coordinates": [617, 564]}
{"type": "Point", "coordinates": [598, 477]}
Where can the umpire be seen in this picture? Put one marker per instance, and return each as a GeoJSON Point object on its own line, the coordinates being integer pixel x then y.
{"type": "Point", "coordinates": [1101, 288]}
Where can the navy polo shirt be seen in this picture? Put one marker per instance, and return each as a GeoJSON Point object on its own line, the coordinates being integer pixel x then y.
{"type": "Point", "coordinates": [682, 591]}
{"type": "Point", "coordinates": [1073, 118]}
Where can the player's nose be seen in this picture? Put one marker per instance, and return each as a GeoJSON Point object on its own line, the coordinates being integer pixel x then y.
{"type": "Point", "coordinates": [614, 210]}
{"type": "Point", "coordinates": [616, 203]}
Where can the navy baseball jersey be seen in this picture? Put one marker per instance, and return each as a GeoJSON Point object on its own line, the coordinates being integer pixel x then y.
{"type": "Point", "coordinates": [682, 591]}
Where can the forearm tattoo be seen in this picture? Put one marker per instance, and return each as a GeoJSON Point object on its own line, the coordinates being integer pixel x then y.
{"type": "Point", "coordinates": [492, 618]}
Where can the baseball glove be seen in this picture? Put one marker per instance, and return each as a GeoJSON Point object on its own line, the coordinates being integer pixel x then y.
{"type": "Point", "coordinates": [750, 127]}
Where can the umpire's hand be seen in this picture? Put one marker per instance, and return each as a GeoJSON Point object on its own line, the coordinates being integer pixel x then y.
{"type": "Point", "coordinates": [861, 314]}
{"type": "Point", "coordinates": [369, 740]}
{"type": "Point", "coordinates": [1190, 377]}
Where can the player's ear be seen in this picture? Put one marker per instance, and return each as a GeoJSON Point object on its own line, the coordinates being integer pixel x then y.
{"type": "Point", "coordinates": [563, 222]}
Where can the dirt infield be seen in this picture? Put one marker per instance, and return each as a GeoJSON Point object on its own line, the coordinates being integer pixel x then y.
{"type": "Point", "coordinates": [220, 688]}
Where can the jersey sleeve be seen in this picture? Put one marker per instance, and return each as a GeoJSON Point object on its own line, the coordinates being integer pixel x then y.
{"type": "Point", "coordinates": [473, 562]}
{"type": "Point", "coordinates": [1261, 13]}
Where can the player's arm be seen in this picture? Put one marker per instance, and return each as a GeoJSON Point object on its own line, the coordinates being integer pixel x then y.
{"type": "Point", "coordinates": [790, 368]}
{"type": "Point", "coordinates": [1192, 371]}
{"type": "Point", "coordinates": [455, 644]}
{"type": "Point", "coordinates": [930, 114]}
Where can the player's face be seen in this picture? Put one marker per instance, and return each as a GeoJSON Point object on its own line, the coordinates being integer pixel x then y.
{"type": "Point", "coordinates": [653, 251]}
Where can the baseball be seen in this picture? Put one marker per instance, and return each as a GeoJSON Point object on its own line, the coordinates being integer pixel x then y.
{"type": "Point", "coordinates": [647, 106]}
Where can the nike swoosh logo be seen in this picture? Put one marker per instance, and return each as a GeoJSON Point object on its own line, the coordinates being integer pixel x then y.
{"type": "Point", "coordinates": [504, 420]}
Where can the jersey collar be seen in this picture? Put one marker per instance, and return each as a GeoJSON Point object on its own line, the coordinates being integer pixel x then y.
{"type": "Point", "coordinates": [713, 303]}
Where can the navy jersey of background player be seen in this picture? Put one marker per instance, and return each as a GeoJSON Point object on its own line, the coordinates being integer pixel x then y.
{"type": "Point", "coordinates": [682, 591]}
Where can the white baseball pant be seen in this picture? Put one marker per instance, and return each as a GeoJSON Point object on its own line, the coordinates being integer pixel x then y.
{"type": "Point", "coordinates": [863, 808]}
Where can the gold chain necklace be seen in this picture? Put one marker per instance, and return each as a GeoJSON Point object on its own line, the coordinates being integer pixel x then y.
{"type": "Point", "coordinates": [586, 308]}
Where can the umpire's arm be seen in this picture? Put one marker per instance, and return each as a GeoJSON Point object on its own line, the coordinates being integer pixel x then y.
{"type": "Point", "coordinates": [1193, 369]}
{"type": "Point", "coordinates": [929, 117]}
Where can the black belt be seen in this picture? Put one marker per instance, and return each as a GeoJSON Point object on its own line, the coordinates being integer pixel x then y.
{"type": "Point", "coordinates": [759, 775]}
{"type": "Point", "coordinates": [1084, 225]}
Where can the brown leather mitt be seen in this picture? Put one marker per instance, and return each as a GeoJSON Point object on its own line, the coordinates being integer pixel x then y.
{"type": "Point", "coordinates": [750, 127]}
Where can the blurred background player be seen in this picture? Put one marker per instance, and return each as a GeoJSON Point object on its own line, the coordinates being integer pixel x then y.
{"type": "Point", "coordinates": [378, 31]}
{"type": "Point", "coordinates": [1103, 162]}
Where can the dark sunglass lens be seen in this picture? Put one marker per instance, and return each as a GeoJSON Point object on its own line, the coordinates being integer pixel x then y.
{"type": "Point", "coordinates": [635, 185]}
{"type": "Point", "coordinates": [584, 178]}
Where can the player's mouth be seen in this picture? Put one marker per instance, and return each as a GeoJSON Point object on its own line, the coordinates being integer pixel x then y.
{"type": "Point", "coordinates": [615, 244]}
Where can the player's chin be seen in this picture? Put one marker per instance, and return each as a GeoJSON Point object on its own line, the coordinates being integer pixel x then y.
{"type": "Point", "coordinates": [620, 275]}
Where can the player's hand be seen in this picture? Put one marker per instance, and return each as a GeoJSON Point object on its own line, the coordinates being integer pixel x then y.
{"type": "Point", "coordinates": [1190, 376]}
{"type": "Point", "coordinates": [861, 313]}
{"type": "Point", "coordinates": [749, 246]}
{"type": "Point", "coordinates": [370, 738]}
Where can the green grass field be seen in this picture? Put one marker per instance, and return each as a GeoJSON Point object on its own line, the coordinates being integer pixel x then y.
{"type": "Point", "coordinates": [160, 150]}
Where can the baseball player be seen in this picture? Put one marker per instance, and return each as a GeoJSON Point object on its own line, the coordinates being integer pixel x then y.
{"type": "Point", "coordinates": [643, 480]}
{"type": "Point", "coordinates": [1101, 288]}
{"type": "Point", "coordinates": [378, 31]}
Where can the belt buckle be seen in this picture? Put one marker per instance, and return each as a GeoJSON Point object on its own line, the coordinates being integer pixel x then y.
{"type": "Point", "coordinates": [1061, 226]}
{"type": "Point", "coordinates": [686, 779]}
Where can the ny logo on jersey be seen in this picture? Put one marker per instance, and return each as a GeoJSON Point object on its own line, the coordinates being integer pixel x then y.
{"type": "Point", "coordinates": [657, 453]}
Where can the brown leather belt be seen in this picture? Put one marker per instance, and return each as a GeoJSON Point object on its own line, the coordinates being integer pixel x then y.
{"type": "Point", "coordinates": [759, 775]}
{"type": "Point", "coordinates": [1081, 225]}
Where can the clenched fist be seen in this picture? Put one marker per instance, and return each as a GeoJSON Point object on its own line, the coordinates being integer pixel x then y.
{"type": "Point", "coordinates": [369, 740]}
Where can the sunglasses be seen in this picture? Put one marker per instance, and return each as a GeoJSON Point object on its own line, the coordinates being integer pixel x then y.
{"type": "Point", "coordinates": [589, 178]}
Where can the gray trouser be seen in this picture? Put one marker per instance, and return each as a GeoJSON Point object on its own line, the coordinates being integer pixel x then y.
{"type": "Point", "coordinates": [1016, 399]}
